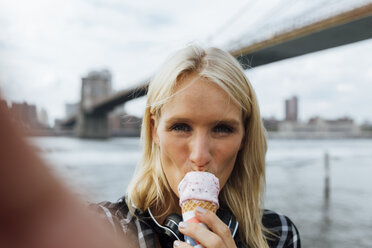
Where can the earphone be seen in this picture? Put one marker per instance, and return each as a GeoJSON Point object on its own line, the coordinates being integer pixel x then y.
{"type": "Point", "coordinates": [168, 232]}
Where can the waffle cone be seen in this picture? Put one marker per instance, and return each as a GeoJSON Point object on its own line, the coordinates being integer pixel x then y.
{"type": "Point", "coordinates": [192, 204]}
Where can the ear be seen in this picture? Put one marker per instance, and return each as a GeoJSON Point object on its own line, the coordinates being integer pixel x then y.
{"type": "Point", "coordinates": [154, 129]}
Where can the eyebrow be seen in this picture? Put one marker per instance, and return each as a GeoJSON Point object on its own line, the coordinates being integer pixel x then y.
{"type": "Point", "coordinates": [231, 122]}
{"type": "Point", "coordinates": [228, 121]}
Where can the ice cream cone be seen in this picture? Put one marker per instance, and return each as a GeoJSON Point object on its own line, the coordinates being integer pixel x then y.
{"type": "Point", "coordinates": [192, 204]}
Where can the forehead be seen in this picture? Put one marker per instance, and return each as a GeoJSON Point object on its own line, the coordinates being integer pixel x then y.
{"type": "Point", "coordinates": [200, 99]}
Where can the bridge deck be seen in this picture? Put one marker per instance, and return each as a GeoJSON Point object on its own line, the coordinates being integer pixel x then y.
{"type": "Point", "coordinates": [118, 98]}
{"type": "Point", "coordinates": [345, 28]}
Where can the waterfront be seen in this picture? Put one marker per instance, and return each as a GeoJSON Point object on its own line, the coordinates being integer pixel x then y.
{"type": "Point", "coordinates": [100, 170]}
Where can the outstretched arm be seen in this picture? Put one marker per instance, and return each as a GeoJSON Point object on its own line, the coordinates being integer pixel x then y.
{"type": "Point", "coordinates": [36, 210]}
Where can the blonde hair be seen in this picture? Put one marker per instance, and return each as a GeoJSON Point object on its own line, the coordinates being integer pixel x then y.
{"type": "Point", "coordinates": [243, 193]}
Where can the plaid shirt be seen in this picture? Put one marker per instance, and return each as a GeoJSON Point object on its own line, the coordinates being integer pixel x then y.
{"type": "Point", "coordinates": [141, 233]}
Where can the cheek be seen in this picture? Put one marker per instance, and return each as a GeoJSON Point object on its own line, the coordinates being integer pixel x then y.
{"type": "Point", "coordinates": [173, 157]}
{"type": "Point", "coordinates": [226, 159]}
{"type": "Point", "coordinates": [173, 151]}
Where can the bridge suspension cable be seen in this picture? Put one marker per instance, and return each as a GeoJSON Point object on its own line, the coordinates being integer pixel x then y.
{"type": "Point", "coordinates": [231, 21]}
{"type": "Point", "coordinates": [284, 15]}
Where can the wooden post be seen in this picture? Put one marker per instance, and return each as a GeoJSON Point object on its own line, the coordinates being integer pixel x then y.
{"type": "Point", "coordinates": [327, 175]}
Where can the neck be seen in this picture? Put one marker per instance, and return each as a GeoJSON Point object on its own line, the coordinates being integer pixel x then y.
{"type": "Point", "coordinates": [160, 214]}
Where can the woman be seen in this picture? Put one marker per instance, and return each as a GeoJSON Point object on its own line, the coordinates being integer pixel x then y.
{"type": "Point", "coordinates": [202, 115]}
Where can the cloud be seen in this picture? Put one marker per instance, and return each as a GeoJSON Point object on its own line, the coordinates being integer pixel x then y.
{"type": "Point", "coordinates": [344, 87]}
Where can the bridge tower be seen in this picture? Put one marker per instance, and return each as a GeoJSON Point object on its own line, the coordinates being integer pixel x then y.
{"type": "Point", "coordinates": [96, 86]}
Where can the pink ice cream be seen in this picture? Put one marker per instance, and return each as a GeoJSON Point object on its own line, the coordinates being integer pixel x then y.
{"type": "Point", "coordinates": [202, 186]}
{"type": "Point", "coordinates": [197, 189]}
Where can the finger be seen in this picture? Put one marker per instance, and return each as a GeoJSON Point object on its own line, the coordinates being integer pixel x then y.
{"type": "Point", "coordinates": [201, 234]}
{"type": "Point", "coordinates": [216, 225]}
{"type": "Point", "coordinates": [180, 244]}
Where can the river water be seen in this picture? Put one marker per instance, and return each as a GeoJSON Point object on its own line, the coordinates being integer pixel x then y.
{"type": "Point", "coordinates": [101, 170]}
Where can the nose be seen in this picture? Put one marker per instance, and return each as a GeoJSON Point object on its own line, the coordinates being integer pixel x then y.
{"type": "Point", "coordinates": [200, 151]}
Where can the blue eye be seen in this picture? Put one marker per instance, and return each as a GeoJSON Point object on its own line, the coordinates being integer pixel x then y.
{"type": "Point", "coordinates": [222, 128]}
{"type": "Point", "coordinates": [180, 127]}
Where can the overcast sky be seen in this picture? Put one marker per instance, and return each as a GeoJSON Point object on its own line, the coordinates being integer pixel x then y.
{"type": "Point", "coordinates": [46, 46]}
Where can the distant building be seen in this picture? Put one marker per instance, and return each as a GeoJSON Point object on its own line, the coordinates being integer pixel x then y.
{"type": "Point", "coordinates": [25, 114]}
{"type": "Point", "coordinates": [122, 124]}
{"type": "Point", "coordinates": [131, 124]}
{"type": "Point", "coordinates": [366, 127]}
{"type": "Point", "coordinates": [43, 118]}
{"type": "Point", "coordinates": [58, 124]}
{"type": "Point", "coordinates": [316, 126]}
{"type": "Point", "coordinates": [271, 124]}
{"type": "Point", "coordinates": [96, 86]}
{"type": "Point", "coordinates": [71, 109]}
{"type": "Point", "coordinates": [291, 109]}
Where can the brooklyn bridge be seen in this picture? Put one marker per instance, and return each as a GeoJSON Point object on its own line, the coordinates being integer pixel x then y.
{"type": "Point", "coordinates": [296, 39]}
